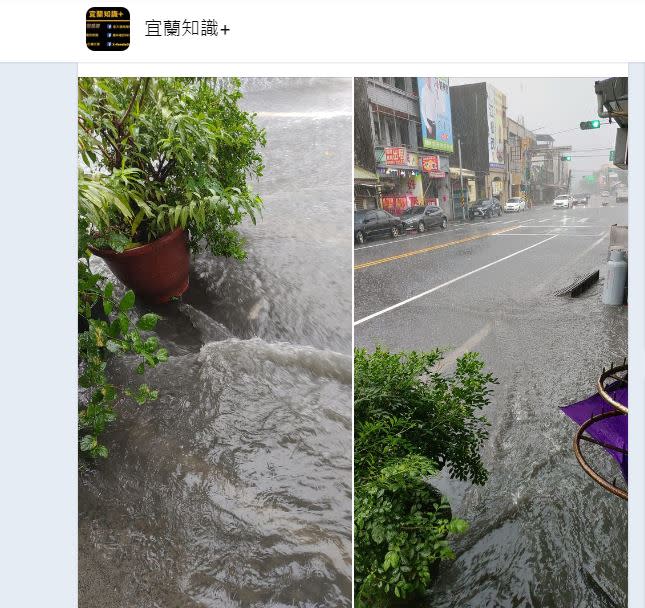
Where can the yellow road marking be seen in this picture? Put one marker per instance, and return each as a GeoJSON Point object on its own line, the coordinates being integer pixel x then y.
{"type": "Point", "coordinates": [408, 254]}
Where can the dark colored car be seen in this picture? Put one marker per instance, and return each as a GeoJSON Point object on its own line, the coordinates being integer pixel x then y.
{"type": "Point", "coordinates": [580, 199]}
{"type": "Point", "coordinates": [423, 216]}
{"type": "Point", "coordinates": [369, 223]}
{"type": "Point", "coordinates": [485, 208]}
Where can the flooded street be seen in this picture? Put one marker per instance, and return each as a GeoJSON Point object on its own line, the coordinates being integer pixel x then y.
{"type": "Point", "coordinates": [542, 533]}
{"type": "Point", "coordinates": [234, 488]}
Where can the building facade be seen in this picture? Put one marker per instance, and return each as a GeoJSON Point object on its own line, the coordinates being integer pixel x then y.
{"type": "Point", "coordinates": [520, 141]}
{"type": "Point", "coordinates": [549, 171]}
{"type": "Point", "coordinates": [479, 125]}
{"type": "Point", "coordinates": [412, 141]}
{"type": "Point", "coordinates": [367, 187]}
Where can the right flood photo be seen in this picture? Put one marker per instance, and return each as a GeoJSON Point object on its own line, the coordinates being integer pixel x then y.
{"type": "Point", "coordinates": [490, 333]}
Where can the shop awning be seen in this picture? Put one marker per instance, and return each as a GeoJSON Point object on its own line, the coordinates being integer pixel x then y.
{"type": "Point", "coordinates": [364, 175]}
{"type": "Point", "coordinates": [454, 173]}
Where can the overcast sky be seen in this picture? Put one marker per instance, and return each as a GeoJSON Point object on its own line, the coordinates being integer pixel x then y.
{"type": "Point", "coordinates": [549, 105]}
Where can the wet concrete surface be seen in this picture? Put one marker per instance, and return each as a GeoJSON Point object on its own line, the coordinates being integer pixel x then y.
{"type": "Point", "coordinates": [234, 488]}
{"type": "Point", "coordinates": [542, 532]}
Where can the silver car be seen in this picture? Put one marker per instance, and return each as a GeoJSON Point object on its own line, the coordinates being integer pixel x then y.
{"type": "Point", "coordinates": [515, 204]}
{"type": "Point", "coordinates": [563, 201]}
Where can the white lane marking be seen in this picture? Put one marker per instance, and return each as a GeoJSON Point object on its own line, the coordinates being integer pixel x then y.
{"type": "Point", "coordinates": [450, 359]}
{"type": "Point", "coordinates": [561, 227]}
{"type": "Point", "coordinates": [425, 234]}
{"type": "Point", "coordinates": [545, 220]}
{"type": "Point", "coordinates": [559, 233]}
{"type": "Point", "coordinates": [583, 219]}
{"type": "Point", "coordinates": [463, 276]}
{"type": "Point", "coordinates": [315, 114]}
{"type": "Point", "coordinates": [595, 244]}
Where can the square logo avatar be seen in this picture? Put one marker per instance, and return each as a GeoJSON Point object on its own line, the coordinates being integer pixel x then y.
{"type": "Point", "coordinates": [107, 28]}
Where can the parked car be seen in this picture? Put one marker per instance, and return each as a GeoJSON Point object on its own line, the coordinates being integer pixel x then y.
{"type": "Point", "coordinates": [604, 194]}
{"type": "Point", "coordinates": [485, 208]}
{"type": "Point", "coordinates": [562, 201]}
{"type": "Point", "coordinates": [515, 204]}
{"type": "Point", "coordinates": [369, 223]}
{"type": "Point", "coordinates": [421, 217]}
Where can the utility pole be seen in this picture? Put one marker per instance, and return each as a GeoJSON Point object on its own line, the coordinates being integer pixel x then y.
{"type": "Point", "coordinates": [461, 180]}
{"type": "Point", "coordinates": [528, 177]}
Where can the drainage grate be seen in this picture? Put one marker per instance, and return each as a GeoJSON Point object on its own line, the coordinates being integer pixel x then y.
{"type": "Point", "coordinates": [579, 285]}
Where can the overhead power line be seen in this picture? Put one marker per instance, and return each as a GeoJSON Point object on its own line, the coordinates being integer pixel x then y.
{"type": "Point", "coordinates": [569, 130]}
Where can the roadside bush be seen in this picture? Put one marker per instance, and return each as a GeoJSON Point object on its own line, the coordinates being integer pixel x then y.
{"type": "Point", "coordinates": [107, 328]}
{"type": "Point", "coordinates": [409, 423]}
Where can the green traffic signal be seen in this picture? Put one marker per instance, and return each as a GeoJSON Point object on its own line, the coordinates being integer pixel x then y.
{"type": "Point", "coordinates": [565, 158]}
{"type": "Point", "coordinates": [590, 124]}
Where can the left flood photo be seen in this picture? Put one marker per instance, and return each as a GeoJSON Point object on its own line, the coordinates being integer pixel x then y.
{"type": "Point", "coordinates": [214, 342]}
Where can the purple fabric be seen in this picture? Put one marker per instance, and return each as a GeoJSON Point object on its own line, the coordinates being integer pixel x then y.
{"type": "Point", "coordinates": [612, 431]}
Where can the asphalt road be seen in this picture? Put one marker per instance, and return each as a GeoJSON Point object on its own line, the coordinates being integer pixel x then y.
{"type": "Point", "coordinates": [489, 287]}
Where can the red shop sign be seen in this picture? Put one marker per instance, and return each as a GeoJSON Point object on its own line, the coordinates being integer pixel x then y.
{"type": "Point", "coordinates": [395, 156]}
{"type": "Point", "coordinates": [430, 163]}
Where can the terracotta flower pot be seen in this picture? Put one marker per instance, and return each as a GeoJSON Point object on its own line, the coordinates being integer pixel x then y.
{"type": "Point", "coordinates": [157, 271]}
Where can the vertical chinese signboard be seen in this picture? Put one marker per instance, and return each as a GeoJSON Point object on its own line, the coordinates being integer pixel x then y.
{"type": "Point", "coordinates": [495, 110]}
{"type": "Point", "coordinates": [434, 109]}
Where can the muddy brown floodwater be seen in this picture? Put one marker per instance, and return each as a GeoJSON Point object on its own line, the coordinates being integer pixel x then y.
{"type": "Point", "coordinates": [234, 488]}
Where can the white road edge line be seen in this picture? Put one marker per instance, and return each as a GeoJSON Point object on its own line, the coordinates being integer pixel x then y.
{"type": "Point", "coordinates": [463, 276]}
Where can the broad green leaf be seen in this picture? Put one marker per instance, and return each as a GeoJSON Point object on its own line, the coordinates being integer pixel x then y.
{"type": "Point", "coordinates": [127, 301]}
{"type": "Point", "coordinates": [136, 222]}
{"type": "Point", "coordinates": [148, 321]}
{"type": "Point", "coordinates": [118, 241]}
{"type": "Point", "coordinates": [88, 442]}
{"type": "Point", "coordinates": [113, 346]}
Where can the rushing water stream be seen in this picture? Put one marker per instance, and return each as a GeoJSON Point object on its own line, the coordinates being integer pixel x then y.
{"type": "Point", "coordinates": [234, 488]}
{"type": "Point", "coordinates": [542, 534]}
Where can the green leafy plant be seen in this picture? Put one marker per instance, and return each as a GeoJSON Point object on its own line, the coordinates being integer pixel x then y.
{"type": "Point", "coordinates": [410, 421]}
{"type": "Point", "coordinates": [162, 153]}
{"type": "Point", "coordinates": [109, 328]}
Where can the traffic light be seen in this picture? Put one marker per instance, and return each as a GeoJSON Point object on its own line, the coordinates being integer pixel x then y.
{"type": "Point", "coordinates": [590, 124]}
{"type": "Point", "coordinates": [612, 155]}
{"type": "Point", "coordinates": [565, 158]}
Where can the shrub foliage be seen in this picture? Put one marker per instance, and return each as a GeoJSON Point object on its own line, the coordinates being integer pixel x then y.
{"type": "Point", "coordinates": [158, 153]}
{"type": "Point", "coordinates": [410, 421]}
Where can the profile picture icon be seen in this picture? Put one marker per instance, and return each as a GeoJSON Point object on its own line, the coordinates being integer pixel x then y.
{"type": "Point", "coordinates": [107, 28]}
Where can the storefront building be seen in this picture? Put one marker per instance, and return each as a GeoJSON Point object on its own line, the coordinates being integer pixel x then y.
{"type": "Point", "coordinates": [412, 159]}
{"type": "Point", "coordinates": [411, 178]}
{"type": "Point", "coordinates": [479, 125]}
{"type": "Point", "coordinates": [367, 189]}
{"type": "Point", "coordinates": [520, 142]}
